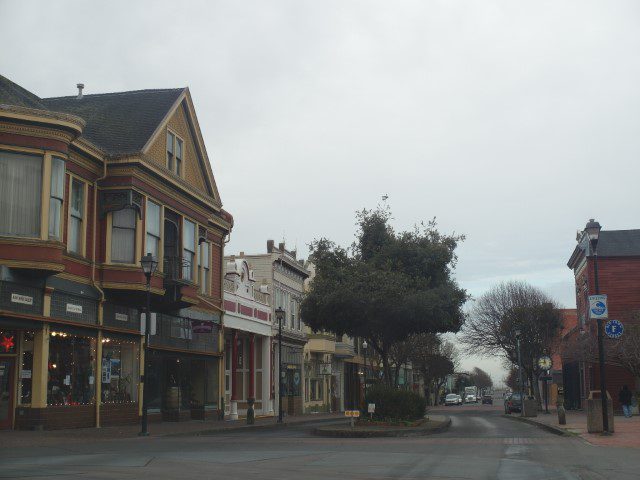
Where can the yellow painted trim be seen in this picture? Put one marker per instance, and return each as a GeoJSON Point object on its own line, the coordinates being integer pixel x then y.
{"type": "Point", "coordinates": [46, 304]}
{"type": "Point", "coordinates": [130, 286]}
{"type": "Point", "coordinates": [162, 125]}
{"type": "Point", "coordinates": [138, 247]}
{"type": "Point", "coordinates": [175, 137]}
{"type": "Point", "coordinates": [188, 299]}
{"type": "Point", "coordinates": [33, 265]}
{"type": "Point", "coordinates": [18, 149]}
{"type": "Point", "coordinates": [40, 372]}
{"type": "Point", "coordinates": [44, 116]}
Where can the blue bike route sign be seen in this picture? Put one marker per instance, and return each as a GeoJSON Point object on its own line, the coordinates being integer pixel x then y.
{"type": "Point", "coordinates": [598, 306]}
{"type": "Point", "coordinates": [614, 329]}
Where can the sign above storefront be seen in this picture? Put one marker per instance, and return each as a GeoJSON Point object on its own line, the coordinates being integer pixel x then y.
{"type": "Point", "coordinates": [24, 299]}
{"type": "Point", "coordinates": [71, 308]}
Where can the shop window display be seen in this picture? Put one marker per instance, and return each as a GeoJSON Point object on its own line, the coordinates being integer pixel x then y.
{"type": "Point", "coordinates": [119, 372]}
{"type": "Point", "coordinates": [26, 368]}
{"type": "Point", "coordinates": [72, 365]}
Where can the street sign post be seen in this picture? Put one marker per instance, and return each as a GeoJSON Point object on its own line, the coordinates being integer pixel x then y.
{"type": "Point", "coordinates": [614, 329]}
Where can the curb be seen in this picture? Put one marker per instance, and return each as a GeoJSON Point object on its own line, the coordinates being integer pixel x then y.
{"type": "Point", "coordinates": [444, 426]}
{"type": "Point", "coordinates": [244, 428]}
{"type": "Point", "coordinates": [542, 426]}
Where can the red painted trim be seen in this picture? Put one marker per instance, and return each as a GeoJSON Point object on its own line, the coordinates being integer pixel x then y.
{"type": "Point", "coordinates": [230, 306]}
{"type": "Point", "coordinates": [17, 140]}
{"type": "Point", "coordinates": [244, 310]}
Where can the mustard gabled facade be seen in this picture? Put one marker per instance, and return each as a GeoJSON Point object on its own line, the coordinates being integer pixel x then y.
{"type": "Point", "coordinates": [89, 184]}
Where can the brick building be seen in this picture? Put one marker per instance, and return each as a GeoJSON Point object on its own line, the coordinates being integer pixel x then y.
{"type": "Point", "coordinates": [618, 253]}
{"type": "Point", "coordinates": [88, 185]}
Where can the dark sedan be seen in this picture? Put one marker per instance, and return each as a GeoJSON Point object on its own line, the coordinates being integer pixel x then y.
{"type": "Point", "coordinates": [487, 399]}
{"type": "Point", "coordinates": [513, 403]}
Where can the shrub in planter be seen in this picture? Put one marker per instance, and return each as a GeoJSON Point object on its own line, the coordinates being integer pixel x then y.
{"type": "Point", "coordinates": [393, 404]}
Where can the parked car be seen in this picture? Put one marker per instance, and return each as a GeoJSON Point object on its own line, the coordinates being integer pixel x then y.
{"type": "Point", "coordinates": [487, 400]}
{"type": "Point", "coordinates": [452, 399]}
{"type": "Point", "coordinates": [471, 399]}
{"type": "Point", "coordinates": [513, 403]}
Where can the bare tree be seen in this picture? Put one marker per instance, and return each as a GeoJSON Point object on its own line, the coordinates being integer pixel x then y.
{"type": "Point", "coordinates": [481, 379]}
{"type": "Point", "coordinates": [505, 309]}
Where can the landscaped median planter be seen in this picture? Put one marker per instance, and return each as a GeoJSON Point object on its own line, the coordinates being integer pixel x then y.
{"type": "Point", "coordinates": [367, 428]}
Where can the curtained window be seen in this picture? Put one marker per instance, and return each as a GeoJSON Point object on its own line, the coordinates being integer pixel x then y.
{"type": "Point", "coordinates": [76, 217]}
{"type": "Point", "coordinates": [56, 199]}
{"type": "Point", "coordinates": [123, 236]}
{"type": "Point", "coordinates": [20, 194]}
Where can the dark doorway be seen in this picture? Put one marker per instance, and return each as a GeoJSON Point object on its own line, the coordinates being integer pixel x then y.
{"type": "Point", "coordinates": [6, 392]}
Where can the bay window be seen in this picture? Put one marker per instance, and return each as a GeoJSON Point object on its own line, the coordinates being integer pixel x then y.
{"type": "Point", "coordinates": [203, 263]}
{"type": "Point", "coordinates": [56, 198]}
{"type": "Point", "coordinates": [20, 194]}
{"type": "Point", "coordinates": [188, 248]}
{"type": "Point", "coordinates": [152, 243]}
{"type": "Point", "coordinates": [76, 217]}
{"type": "Point", "coordinates": [123, 236]}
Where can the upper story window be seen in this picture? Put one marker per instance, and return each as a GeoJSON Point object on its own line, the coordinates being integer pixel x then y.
{"type": "Point", "coordinates": [188, 248]}
{"type": "Point", "coordinates": [76, 218]}
{"type": "Point", "coordinates": [56, 199]}
{"type": "Point", "coordinates": [20, 194]}
{"type": "Point", "coordinates": [123, 236]}
{"type": "Point", "coordinates": [203, 264]}
{"type": "Point", "coordinates": [175, 153]}
{"type": "Point", "coordinates": [152, 242]}
{"type": "Point", "coordinates": [292, 313]}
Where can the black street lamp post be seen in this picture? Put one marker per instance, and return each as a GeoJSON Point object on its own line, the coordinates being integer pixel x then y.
{"type": "Point", "coordinates": [280, 316]}
{"type": "Point", "coordinates": [149, 265]}
{"type": "Point", "coordinates": [518, 333]}
{"type": "Point", "coordinates": [364, 351]}
{"type": "Point", "coordinates": [593, 231]}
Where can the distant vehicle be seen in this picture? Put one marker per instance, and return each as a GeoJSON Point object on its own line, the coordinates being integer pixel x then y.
{"type": "Point", "coordinates": [471, 399]}
{"type": "Point", "coordinates": [471, 391]}
{"type": "Point", "coordinates": [512, 403]}
{"type": "Point", "coordinates": [452, 399]}
{"type": "Point", "coordinates": [487, 399]}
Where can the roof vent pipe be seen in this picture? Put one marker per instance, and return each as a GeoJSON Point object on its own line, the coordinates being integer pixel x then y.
{"type": "Point", "coordinates": [80, 87]}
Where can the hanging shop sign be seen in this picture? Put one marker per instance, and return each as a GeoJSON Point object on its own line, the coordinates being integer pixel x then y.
{"type": "Point", "coordinates": [71, 308]}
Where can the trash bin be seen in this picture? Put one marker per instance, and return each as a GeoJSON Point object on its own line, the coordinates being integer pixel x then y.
{"type": "Point", "coordinates": [594, 412]}
{"type": "Point", "coordinates": [529, 407]}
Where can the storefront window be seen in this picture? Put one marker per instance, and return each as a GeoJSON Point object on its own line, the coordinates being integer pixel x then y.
{"type": "Point", "coordinates": [72, 365]}
{"type": "Point", "coordinates": [26, 368]}
{"type": "Point", "coordinates": [119, 372]}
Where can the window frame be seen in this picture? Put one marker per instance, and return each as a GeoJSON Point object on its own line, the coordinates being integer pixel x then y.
{"type": "Point", "coordinates": [193, 250]}
{"type": "Point", "coordinates": [60, 199]}
{"type": "Point", "coordinates": [175, 163]}
{"type": "Point", "coordinates": [83, 219]}
{"type": "Point", "coordinates": [135, 238]}
{"type": "Point", "coordinates": [159, 237]}
{"type": "Point", "coordinates": [204, 270]}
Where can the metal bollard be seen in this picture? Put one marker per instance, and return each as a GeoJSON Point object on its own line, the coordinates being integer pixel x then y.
{"type": "Point", "coordinates": [562, 415]}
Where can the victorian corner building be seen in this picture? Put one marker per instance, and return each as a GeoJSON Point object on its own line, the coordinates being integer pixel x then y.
{"type": "Point", "coordinates": [88, 185]}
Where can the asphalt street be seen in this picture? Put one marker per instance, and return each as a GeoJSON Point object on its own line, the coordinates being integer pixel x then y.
{"type": "Point", "coordinates": [481, 444]}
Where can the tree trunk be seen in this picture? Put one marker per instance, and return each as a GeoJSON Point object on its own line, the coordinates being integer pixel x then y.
{"type": "Point", "coordinates": [386, 367]}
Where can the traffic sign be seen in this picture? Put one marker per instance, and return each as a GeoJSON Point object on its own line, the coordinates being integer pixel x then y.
{"type": "Point", "coordinates": [598, 306]}
{"type": "Point", "coordinates": [614, 329]}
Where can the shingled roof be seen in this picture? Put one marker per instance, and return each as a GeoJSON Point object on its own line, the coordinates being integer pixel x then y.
{"type": "Point", "coordinates": [611, 243]}
{"type": "Point", "coordinates": [119, 123]}
{"type": "Point", "coordinates": [13, 94]}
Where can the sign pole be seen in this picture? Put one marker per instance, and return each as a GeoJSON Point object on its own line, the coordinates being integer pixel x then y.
{"type": "Point", "coordinates": [603, 381]}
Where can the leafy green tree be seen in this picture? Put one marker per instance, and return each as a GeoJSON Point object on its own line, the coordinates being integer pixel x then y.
{"type": "Point", "coordinates": [388, 286]}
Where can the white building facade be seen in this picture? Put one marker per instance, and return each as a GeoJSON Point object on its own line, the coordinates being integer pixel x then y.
{"type": "Point", "coordinates": [284, 276]}
{"type": "Point", "coordinates": [247, 335]}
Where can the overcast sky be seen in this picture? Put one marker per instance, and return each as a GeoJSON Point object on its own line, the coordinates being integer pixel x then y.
{"type": "Point", "coordinates": [511, 122]}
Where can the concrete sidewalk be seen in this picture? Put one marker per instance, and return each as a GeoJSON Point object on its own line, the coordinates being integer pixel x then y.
{"type": "Point", "coordinates": [626, 434]}
{"type": "Point", "coordinates": [19, 438]}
